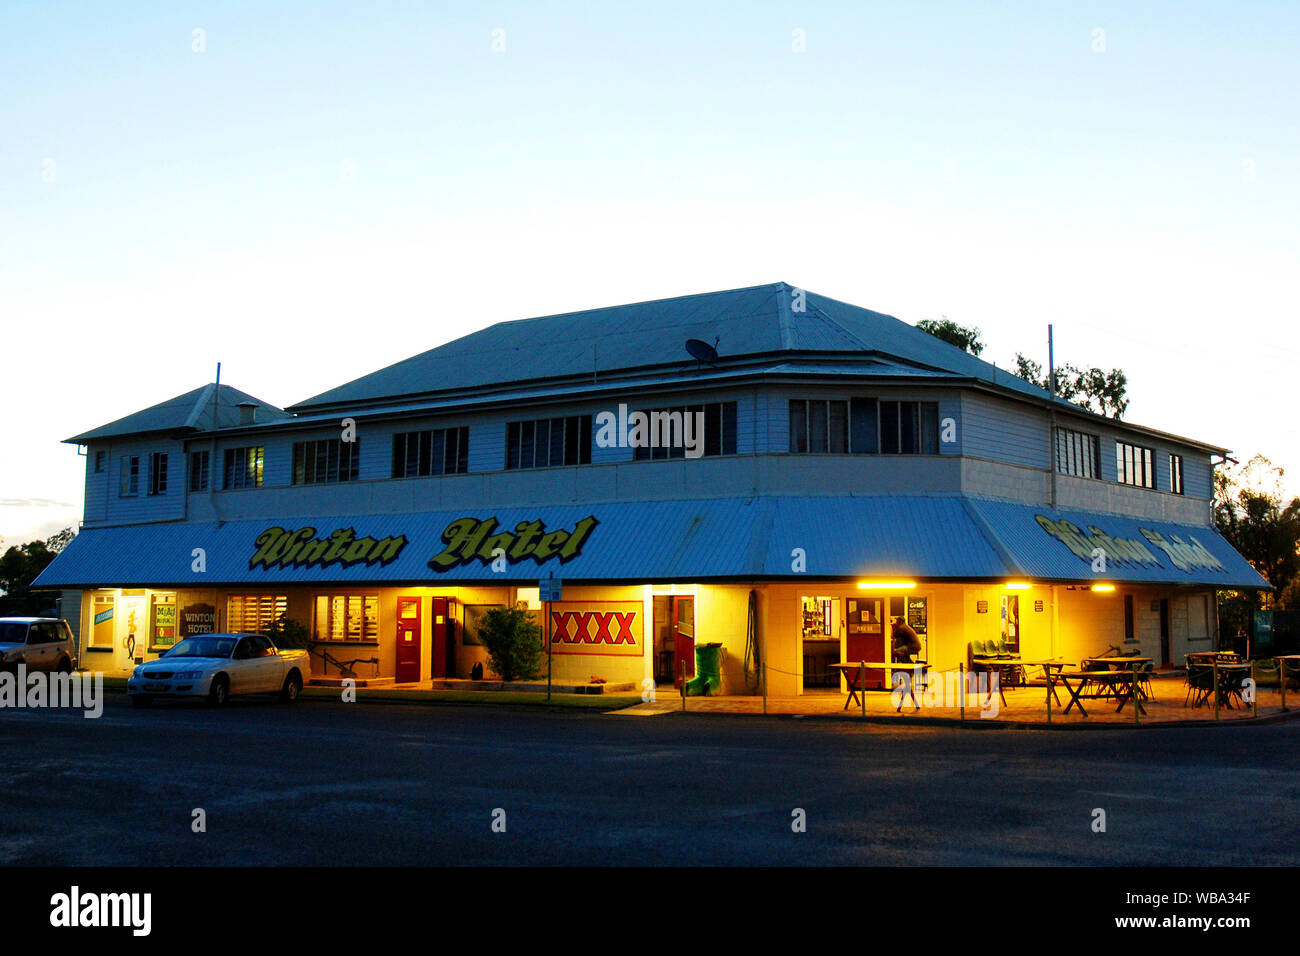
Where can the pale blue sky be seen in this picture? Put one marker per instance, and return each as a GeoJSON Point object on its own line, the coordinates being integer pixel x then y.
{"type": "Point", "coordinates": [329, 188]}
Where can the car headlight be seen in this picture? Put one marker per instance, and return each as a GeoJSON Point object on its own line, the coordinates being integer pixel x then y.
{"type": "Point", "coordinates": [135, 673]}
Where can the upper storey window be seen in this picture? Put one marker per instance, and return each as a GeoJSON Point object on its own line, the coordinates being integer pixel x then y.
{"type": "Point", "coordinates": [863, 426]}
{"type": "Point", "coordinates": [549, 442]}
{"type": "Point", "coordinates": [326, 461]}
{"type": "Point", "coordinates": [1078, 453]}
{"type": "Point", "coordinates": [243, 467]}
{"type": "Point", "coordinates": [719, 431]}
{"type": "Point", "coordinates": [1176, 474]}
{"type": "Point", "coordinates": [1135, 465]}
{"type": "Point", "coordinates": [440, 451]}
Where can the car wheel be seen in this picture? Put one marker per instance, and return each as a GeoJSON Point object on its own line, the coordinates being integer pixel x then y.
{"type": "Point", "coordinates": [219, 692]}
{"type": "Point", "coordinates": [65, 666]}
{"type": "Point", "coordinates": [291, 689]}
{"type": "Point", "coordinates": [140, 700]}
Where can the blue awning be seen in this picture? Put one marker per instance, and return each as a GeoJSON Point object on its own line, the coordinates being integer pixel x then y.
{"type": "Point", "coordinates": [1061, 545]}
{"type": "Point", "coordinates": [922, 537]}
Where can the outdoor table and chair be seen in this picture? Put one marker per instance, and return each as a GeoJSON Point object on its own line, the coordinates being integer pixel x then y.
{"type": "Point", "coordinates": [1048, 666]}
{"type": "Point", "coordinates": [1202, 668]}
{"type": "Point", "coordinates": [1121, 662]}
{"type": "Point", "coordinates": [1119, 685]}
{"type": "Point", "coordinates": [855, 674]}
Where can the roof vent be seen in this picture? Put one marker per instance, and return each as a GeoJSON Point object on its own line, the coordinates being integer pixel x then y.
{"type": "Point", "coordinates": [247, 412]}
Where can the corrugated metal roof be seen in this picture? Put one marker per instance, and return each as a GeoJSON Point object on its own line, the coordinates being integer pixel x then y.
{"type": "Point", "coordinates": [759, 319]}
{"type": "Point", "coordinates": [193, 411]}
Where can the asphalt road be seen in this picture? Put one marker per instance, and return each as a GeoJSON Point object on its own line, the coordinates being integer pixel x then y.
{"type": "Point", "coordinates": [336, 784]}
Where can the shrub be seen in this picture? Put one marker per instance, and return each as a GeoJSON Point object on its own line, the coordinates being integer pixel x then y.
{"type": "Point", "coordinates": [513, 643]}
{"type": "Point", "coordinates": [288, 634]}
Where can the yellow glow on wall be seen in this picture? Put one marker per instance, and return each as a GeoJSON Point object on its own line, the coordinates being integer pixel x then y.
{"type": "Point", "coordinates": [877, 585]}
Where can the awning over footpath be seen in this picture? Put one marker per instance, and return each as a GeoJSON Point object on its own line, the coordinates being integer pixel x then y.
{"type": "Point", "coordinates": [922, 537]}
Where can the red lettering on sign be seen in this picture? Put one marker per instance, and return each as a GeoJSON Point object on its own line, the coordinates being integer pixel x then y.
{"type": "Point", "coordinates": [602, 624]}
{"type": "Point", "coordinates": [625, 628]}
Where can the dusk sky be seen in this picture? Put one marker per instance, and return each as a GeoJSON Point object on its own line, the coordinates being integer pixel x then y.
{"type": "Point", "coordinates": [311, 193]}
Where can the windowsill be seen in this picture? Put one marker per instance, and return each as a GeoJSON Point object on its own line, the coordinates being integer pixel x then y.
{"type": "Point", "coordinates": [345, 643]}
{"type": "Point", "coordinates": [99, 650]}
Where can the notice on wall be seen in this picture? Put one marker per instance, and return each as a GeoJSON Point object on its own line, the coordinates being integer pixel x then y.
{"type": "Point", "coordinates": [599, 628]}
{"type": "Point", "coordinates": [981, 607]}
{"type": "Point", "coordinates": [164, 625]}
{"type": "Point", "coordinates": [198, 619]}
{"type": "Point", "coordinates": [1038, 605]}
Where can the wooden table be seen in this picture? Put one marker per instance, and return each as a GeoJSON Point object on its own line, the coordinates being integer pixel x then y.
{"type": "Point", "coordinates": [1117, 663]}
{"type": "Point", "coordinates": [997, 665]}
{"type": "Point", "coordinates": [1047, 672]}
{"type": "Point", "coordinates": [1229, 681]}
{"type": "Point", "coordinates": [1123, 687]}
{"type": "Point", "coordinates": [918, 669]}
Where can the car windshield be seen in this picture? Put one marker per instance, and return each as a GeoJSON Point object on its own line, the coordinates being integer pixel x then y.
{"type": "Point", "coordinates": [11, 633]}
{"type": "Point", "coordinates": [203, 647]}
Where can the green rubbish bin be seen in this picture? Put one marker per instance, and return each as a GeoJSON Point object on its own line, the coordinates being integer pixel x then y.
{"type": "Point", "coordinates": [708, 671]}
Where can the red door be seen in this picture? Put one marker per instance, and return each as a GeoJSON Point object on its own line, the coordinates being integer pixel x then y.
{"type": "Point", "coordinates": [408, 639]}
{"type": "Point", "coordinates": [444, 649]}
{"type": "Point", "coordinates": [683, 612]}
{"type": "Point", "coordinates": [866, 639]}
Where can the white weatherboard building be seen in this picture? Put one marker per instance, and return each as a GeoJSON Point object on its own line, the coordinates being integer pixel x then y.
{"type": "Point", "coordinates": [852, 470]}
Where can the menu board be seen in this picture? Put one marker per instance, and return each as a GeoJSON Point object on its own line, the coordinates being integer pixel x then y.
{"type": "Point", "coordinates": [917, 613]}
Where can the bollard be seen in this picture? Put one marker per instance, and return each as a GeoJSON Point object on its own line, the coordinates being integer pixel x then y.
{"type": "Point", "coordinates": [1214, 668]}
{"type": "Point", "coordinates": [1282, 661]}
{"type": "Point", "coordinates": [862, 686]}
{"type": "Point", "coordinates": [1254, 695]}
{"type": "Point", "coordinates": [1133, 690]}
{"type": "Point", "coordinates": [1048, 672]}
{"type": "Point", "coordinates": [961, 671]}
{"type": "Point", "coordinates": [681, 672]}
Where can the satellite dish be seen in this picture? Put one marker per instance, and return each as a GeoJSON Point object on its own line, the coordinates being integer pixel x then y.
{"type": "Point", "coordinates": [702, 351]}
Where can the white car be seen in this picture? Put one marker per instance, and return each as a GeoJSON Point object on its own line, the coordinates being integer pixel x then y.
{"type": "Point", "coordinates": [218, 666]}
{"type": "Point", "coordinates": [39, 643]}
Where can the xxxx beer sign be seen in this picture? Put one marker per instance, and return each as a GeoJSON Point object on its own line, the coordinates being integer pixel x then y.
{"type": "Point", "coordinates": [604, 628]}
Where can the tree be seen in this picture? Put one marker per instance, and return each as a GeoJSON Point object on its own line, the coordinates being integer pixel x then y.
{"type": "Point", "coordinates": [513, 643]}
{"type": "Point", "coordinates": [1251, 512]}
{"type": "Point", "coordinates": [968, 340]}
{"type": "Point", "coordinates": [57, 542]}
{"type": "Point", "coordinates": [19, 567]}
{"type": "Point", "coordinates": [1092, 389]}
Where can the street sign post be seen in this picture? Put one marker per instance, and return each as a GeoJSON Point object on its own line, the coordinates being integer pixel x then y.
{"type": "Point", "coordinates": [548, 590]}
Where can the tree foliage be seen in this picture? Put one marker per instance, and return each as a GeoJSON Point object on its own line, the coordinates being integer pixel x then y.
{"type": "Point", "coordinates": [513, 643]}
{"type": "Point", "coordinates": [966, 339]}
{"type": "Point", "coordinates": [1252, 513]}
{"type": "Point", "coordinates": [1102, 392]}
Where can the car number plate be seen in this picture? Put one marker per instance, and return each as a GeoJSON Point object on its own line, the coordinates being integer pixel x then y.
{"type": "Point", "coordinates": [155, 686]}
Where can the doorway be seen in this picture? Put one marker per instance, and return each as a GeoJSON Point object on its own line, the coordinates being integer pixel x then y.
{"type": "Point", "coordinates": [443, 653]}
{"type": "Point", "coordinates": [408, 640]}
{"type": "Point", "coordinates": [674, 630]}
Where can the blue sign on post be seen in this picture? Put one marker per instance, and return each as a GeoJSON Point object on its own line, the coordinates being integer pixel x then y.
{"type": "Point", "coordinates": [549, 589]}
